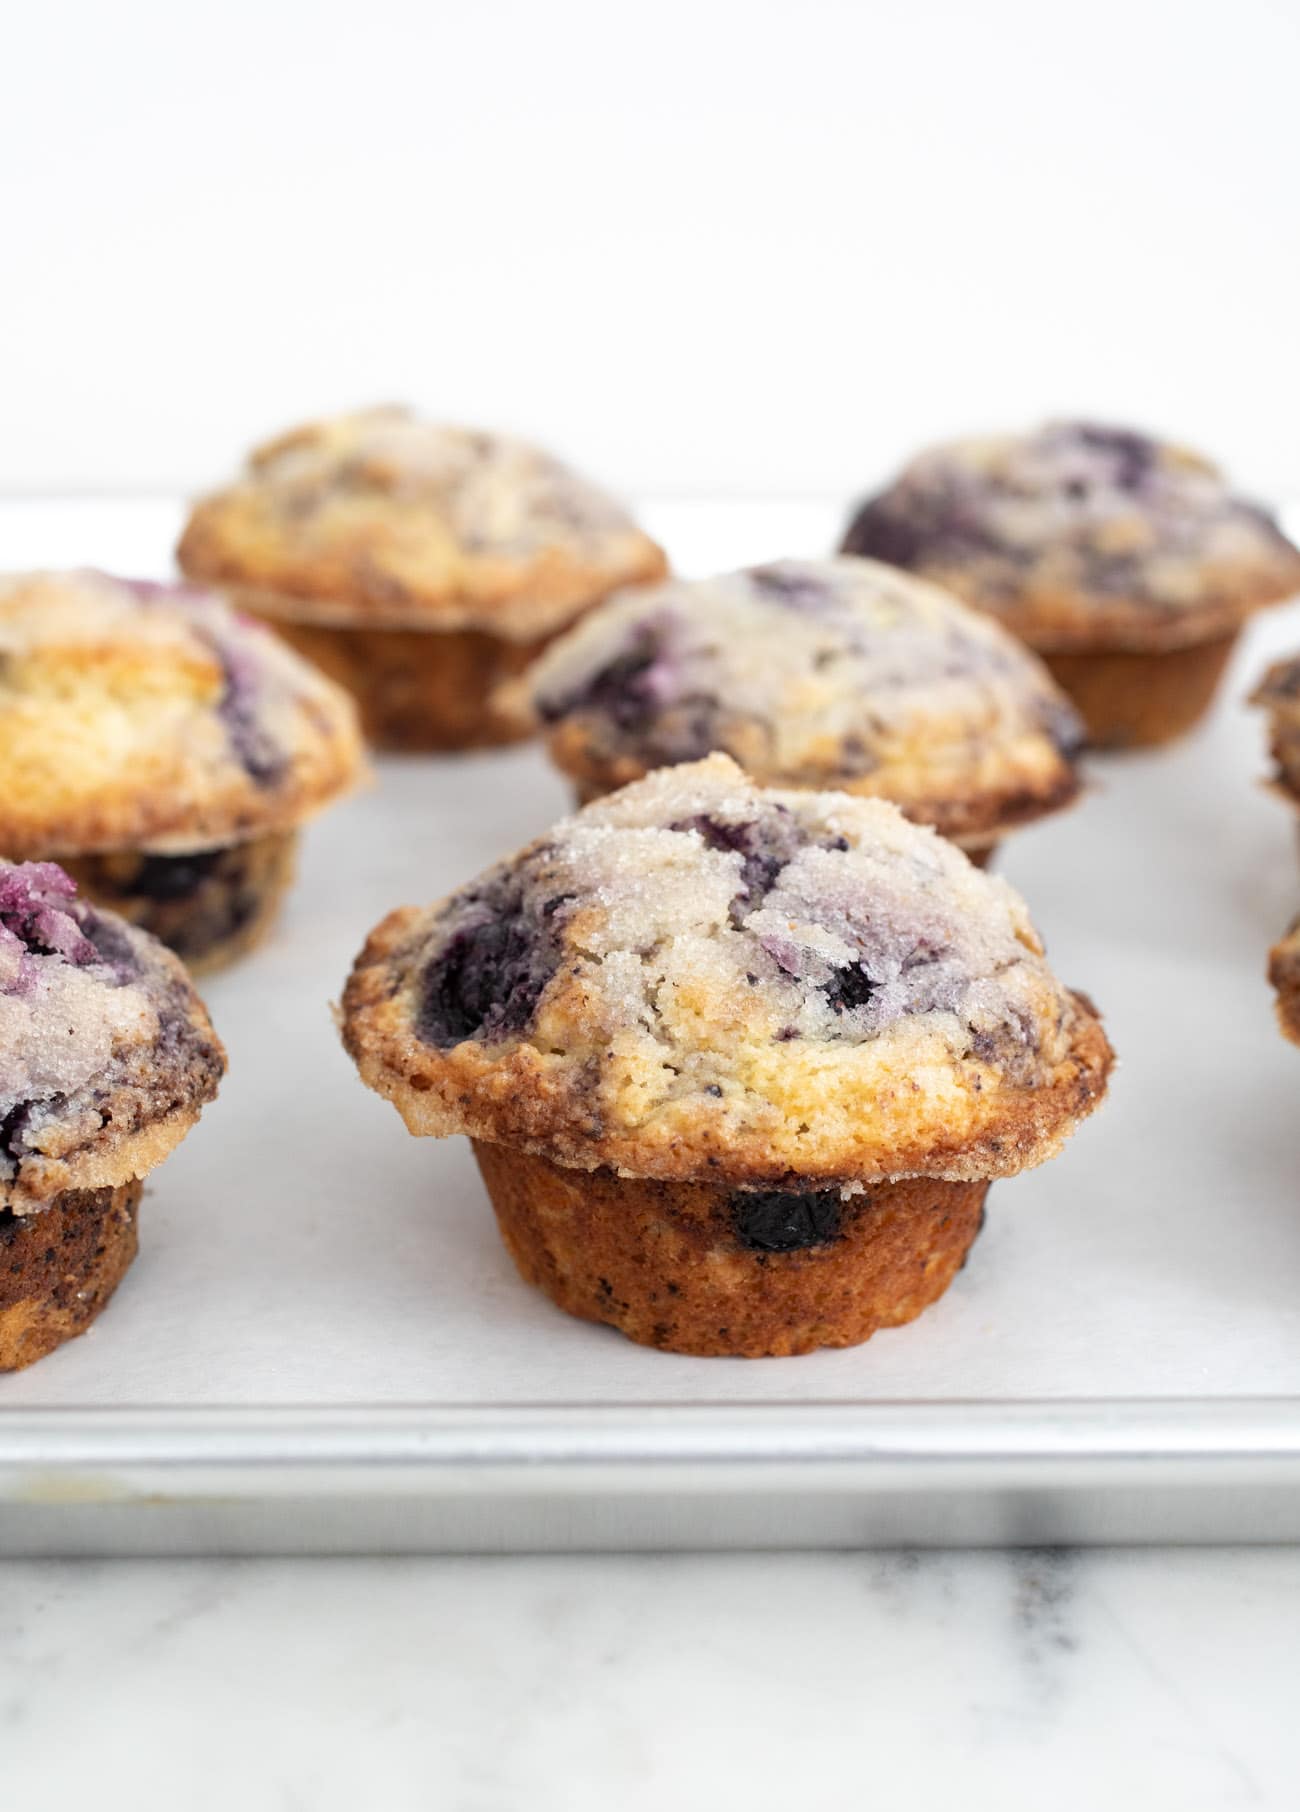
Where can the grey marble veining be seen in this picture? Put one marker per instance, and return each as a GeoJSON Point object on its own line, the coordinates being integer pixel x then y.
{"type": "Point", "coordinates": [1026, 1679]}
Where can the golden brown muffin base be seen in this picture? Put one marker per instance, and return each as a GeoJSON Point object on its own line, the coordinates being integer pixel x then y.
{"type": "Point", "coordinates": [209, 906]}
{"type": "Point", "coordinates": [663, 1263]}
{"type": "Point", "coordinates": [417, 690]}
{"type": "Point", "coordinates": [59, 1267]}
{"type": "Point", "coordinates": [1133, 699]}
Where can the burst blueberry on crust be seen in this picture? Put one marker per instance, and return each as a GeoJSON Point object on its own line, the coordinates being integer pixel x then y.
{"type": "Point", "coordinates": [813, 673]}
{"type": "Point", "coordinates": [164, 748]}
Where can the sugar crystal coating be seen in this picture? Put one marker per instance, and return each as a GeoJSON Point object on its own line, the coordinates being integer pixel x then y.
{"type": "Point", "coordinates": [697, 964]}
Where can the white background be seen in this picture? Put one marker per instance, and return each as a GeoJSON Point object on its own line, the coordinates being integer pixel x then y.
{"type": "Point", "coordinates": [697, 246]}
{"type": "Point", "coordinates": [701, 244]}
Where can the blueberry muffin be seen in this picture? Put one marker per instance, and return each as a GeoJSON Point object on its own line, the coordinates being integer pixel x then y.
{"type": "Point", "coordinates": [165, 751]}
{"type": "Point", "coordinates": [418, 564]}
{"type": "Point", "coordinates": [738, 1065]}
{"type": "Point", "coordinates": [1125, 561]}
{"type": "Point", "coordinates": [831, 673]}
{"type": "Point", "coordinates": [106, 1060]}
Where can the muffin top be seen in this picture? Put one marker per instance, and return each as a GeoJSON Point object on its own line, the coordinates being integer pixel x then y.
{"type": "Point", "coordinates": [146, 716]}
{"type": "Point", "coordinates": [699, 977]}
{"type": "Point", "coordinates": [106, 1052]}
{"type": "Point", "coordinates": [813, 673]}
{"type": "Point", "coordinates": [1079, 534]}
{"type": "Point", "coordinates": [380, 518]}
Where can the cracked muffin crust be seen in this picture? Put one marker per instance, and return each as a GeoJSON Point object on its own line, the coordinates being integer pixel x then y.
{"type": "Point", "coordinates": [1100, 547]}
{"type": "Point", "coordinates": [702, 984]}
{"type": "Point", "coordinates": [152, 739]}
{"type": "Point", "coordinates": [107, 1057]}
{"type": "Point", "coordinates": [814, 673]}
{"type": "Point", "coordinates": [421, 563]}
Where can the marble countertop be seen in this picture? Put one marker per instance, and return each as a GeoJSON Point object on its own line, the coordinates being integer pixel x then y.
{"type": "Point", "coordinates": [1152, 1679]}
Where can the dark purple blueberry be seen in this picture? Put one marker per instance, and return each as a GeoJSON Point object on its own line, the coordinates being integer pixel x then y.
{"type": "Point", "coordinates": [8, 1224]}
{"type": "Point", "coordinates": [175, 877]}
{"type": "Point", "coordinates": [1132, 456]}
{"type": "Point", "coordinates": [765, 845]}
{"type": "Point", "coordinates": [487, 979]}
{"type": "Point", "coordinates": [110, 939]}
{"type": "Point", "coordinates": [778, 1220]}
{"type": "Point", "coordinates": [262, 758]}
{"type": "Point", "coordinates": [790, 585]}
{"type": "Point", "coordinates": [879, 531]}
{"type": "Point", "coordinates": [849, 988]}
{"type": "Point", "coordinates": [12, 1128]}
{"type": "Point", "coordinates": [630, 690]}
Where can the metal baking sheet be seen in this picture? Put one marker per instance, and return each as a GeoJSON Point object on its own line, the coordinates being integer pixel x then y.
{"type": "Point", "coordinates": [324, 1346]}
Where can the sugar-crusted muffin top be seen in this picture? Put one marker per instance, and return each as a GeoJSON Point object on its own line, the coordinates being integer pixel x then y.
{"type": "Point", "coordinates": [697, 976]}
{"type": "Point", "coordinates": [106, 1052]}
{"type": "Point", "coordinates": [812, 673]}
{"type": "Point", "coordinates": [383, 518]}
{"type": "Point", "coordinates": [1079, 531]}
{"type": "Point", "coordinates": [135, 715]}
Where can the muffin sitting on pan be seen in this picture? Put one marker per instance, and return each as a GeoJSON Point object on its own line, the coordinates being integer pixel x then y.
{"type": "Point", "coordinates": [106, 1059]}
{"type": "Point", "coordinates": [814, 673]}
{"type": "Point", "coordinates": [416, 563]}
{"type": "Point", "coordinates": [1125, 561]}
{"type": "Point", "coordinates": [738, 1065]}
{"type": "Point", "coordinates": [164, 751]}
